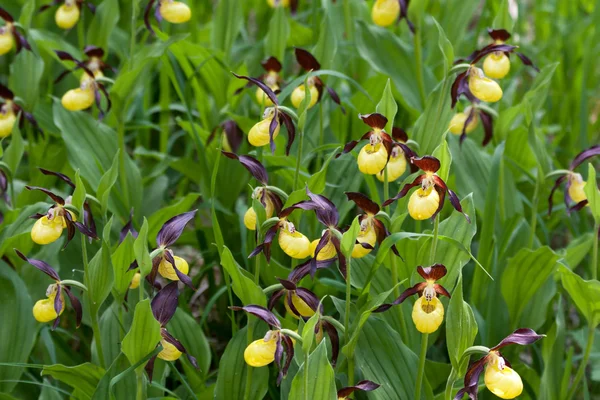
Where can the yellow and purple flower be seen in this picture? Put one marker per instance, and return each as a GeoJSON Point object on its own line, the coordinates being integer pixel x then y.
{"type": "Point", "coordinates": [10, 111]}
{"type": "Point", "coordinates": [9, 35]}
{"type": "Point", "coordinates": [362, 386]}
{"type": "Point", "coordinates": [386, 12]}
{"type": "Point", "coordinates": [69, 12]}
{"type": "Point", "coordinates": [175, 12]}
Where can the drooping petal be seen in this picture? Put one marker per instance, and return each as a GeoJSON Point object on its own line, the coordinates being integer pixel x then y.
{"type": "Point", "coordinates": [173, 228]}
{"type": "Point", "coordinates": [403, 296]}
{"type": "Point", "coordinates": [147, 12]}
{"type": "Point", "coordinates": [185, 279]}
{"type": "Point", "coordinates": [527, 61]}
{"type": "Point", "coordinates": [584, 155]}
{"type": "Point", "coordinates": [307, 61]}
{"type": "Point", "coordinates": [41, 265]}
{"type": "Point", "coordinates": [326, 211]}
{"type": "Point", "coordinates": [57, 199]}
{"type": "Point", "coordinates": [488, 127]}
{"type": "Point", "coordinates": [404, 190]}
{"type": "Point", "coordinates": [253, 166]}
{"type": "Point", "coordinates": [268, 91]}
{"type": "Point", "coordinates": [291, 129]}
{"type": "Point", "coordinates": [363, 386]}
{"type": "Point", "coordinates": [164, 304]}
{"type": "Point", "coordinates": [335, 341]}
{"type": "Point", "coordinates": [471, 380]}
{"type": "Point", "coordinates": [76, 304]}
{"type": "Point", "coordinates": [522, 336]}
{"type": "Point", "coordinates": [275, 298]}
{"type": "Point", "coordinates": [260, 312]}
{"type": "Point", "coordinates": [363, 202]}
{"type": "Point", "coordinates": [63, 177]}
{"type": "Point", "coordinates": [303, 269]}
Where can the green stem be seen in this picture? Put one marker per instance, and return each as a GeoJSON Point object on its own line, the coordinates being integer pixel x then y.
{"type": "Point", "coordinates": [421, 370]}
{"type": "Point", "coordinates": [291, 334]}
{"type": "Point", "coordinates": [450, 384]}
{"type": "Point", "coordinates": [347, 335]}
{"type": "Point", "coordinates": [334, 322]}
{"type": "Point", "coordinates": [419, 61]}
{"type": "Point", "coordinates": [165, 100]}
{"type": "Point", "coordinates": [436, 228]}
{"type": "Point", "coordinates": [81, 32]}
{"type": "Point", "coordinates": [298, 160]}
{"type": "Point", "coordinates": [351, 370]}
{"type": "Point", "coordinates": [595, 266]}
{"type": "Point", "coordinates": [583, 364]}
{"type": "Point", "coordinates": [321, 134]}
{"type": "Point", "coordinates": [122, 156]}
{"type": "Point", "coordinates": [534, 206]}
{"type": "Point", "coordinates": [249, 369]}
{"type": "Point", "coordinates": [141, 388]}
{"type": "Point", "coordinates": [133, 31]}
{"type": "Point", "coordinates": [306, 375]}
{"type": "Point", "coordinates": [93, 311]}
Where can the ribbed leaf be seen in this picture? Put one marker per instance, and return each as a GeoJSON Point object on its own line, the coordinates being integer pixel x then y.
{"type": "Point", "coordinates": [144, 334]}
{"type": "Point", "coordinates": [83, 378]}
{"type": "Point", "coordinates": [243, 287]}
{"type": "Point", "coordinates": [321, 378]}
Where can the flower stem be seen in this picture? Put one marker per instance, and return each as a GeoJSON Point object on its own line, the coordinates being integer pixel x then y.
{"type": "Point", "coordinates": [595, 266]}
{"type": "Point", "coordinates": [347, 320]}
{"type": "Point", "coordinates": [140, 392]}
{"type": "Point", "coordinates": [306, 375]}
{"type": "Point", "coordinates": [436, 228]}
{"type": "Point", "coordinates": [321, 134]}
{"type": "Point", "coordinates": [298, 160]}
{"type": "Point", "coordinates": [421, 369]}
{"type": "Point", "coordinates": [583, 364]}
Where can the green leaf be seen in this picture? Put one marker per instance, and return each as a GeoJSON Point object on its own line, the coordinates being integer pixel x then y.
{"type": "Point", "coordinates": [100, 279]}
{"type": "Point", "coordinates": [317, 182]}
{"type": "Point", "coordinates": [18, 328]}
{"type": "Point", "coordinates": [461, 327]}
{"type": "Point", "coordinates": [585, 295]}
{"type": "Point", "coordinates": [321, 378]}
{"type": "Point", "coordinates": [140, 248]}
{"type": "Point", "coordinates": [432, 126]}
{"type": "Point", "coordinates": [503, 20]}
{"type": "Point", "coordinates": [326, 47]}
{"type": "Point", "coordinates": [445, 47]}
{"type": "Point", "coordinates": [243, 287]}
{"type": "Point", "coordinates": [277, 36]}
{"type": "Point", "coordinates": [308, 332]}
{"type": "Point", "coordinates": [105, 20]}
{"type": "Point", "coordinates": [349, 238]}
{"type": "Point", "coordinates": [593, 193]}
{"type": "Point", "coordinates": [227, 20]}
{"type": "Point", "coordinates": [78, 195]}
{"type": "Point", "coordinates": [144, 334]}
{"type": "Point", "coordinates": [14, 151]}
{"type": "Point", "coordinates": [231, 380]}
{"type": "Point", "coordinates": [387, 106]}
{"type": "Point", "coordinates": [27, 70]}
{"type": "Point", "coordinates": [442, 153]}
{"type": "Point", "coordinates": [121, 260]}
{"type": "Point", "coordinates": [83, 378]}
{"type": "Point", "coordinates": [107, 182]}
{"type": "Point", "coordinates": [532, 267]}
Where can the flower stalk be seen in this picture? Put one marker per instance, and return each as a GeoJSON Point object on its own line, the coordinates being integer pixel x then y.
{"type": "Point", "coordinates": [583, 364]}
{"type": "Point", "coordinates": [94, 312]}
{"type": "Point", "coordinates": [421, 370]}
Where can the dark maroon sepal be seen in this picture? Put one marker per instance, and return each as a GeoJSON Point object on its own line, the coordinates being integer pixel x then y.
{"type": "Point", "coordinates": [271, 64]}
{"type": "Point", "coordinates": [523, 336]}
{"type": "Point", "coordinates": [556, 186]}
{"type": "Point", "coordinates": [435, 272]}
{"type": "Point", "coordinates": [260, 312]}
{"type": "Point", "coordinates": [403, 296]}
{"type": "Point", "coordinates": [291, 129]}
{"type": "Point", "coordinates": [147, 12]}
{"type": "Point", "coordinates": [326, 211]}
{"type": "Point", "coordinates": [58, 301]}
{"type": "Point", "coordinates": [93, 51]}
{"type": "Point", "coordinates": [253, 166]}
{"type": "Point", "coordinates": [272, 128]}
{"type": "Point", "coordinates": [363, 202]}
{"type": "Point", "coordinates": [63, 177]}
{"type": "Point", "coordinates": [275, 298]}
{"type": "Point", "coordinates": [287, 284]}
{"type": "Point", "coordinates": [6, 93]}
{"type": "Point", "coordinates": [173, 228]}
{"type": "Point", "coordinates": [399, 134]}
{"type": "Point", "coordinates": [459, 86]}
{"type": "Point", "coordinates": [584, 155]}
{"type": "Point", "coordinates": [303, 269]}
{"type": "Point", "coordinates": [426, 163]}
{"type": "Point", "coordinates": [186, 280]}
{"type": "Point", "coordinates": [41, 265]}
{"type": "Point", "coordinates": [471, 381]}
{"type": "Point", "coordinates": [57, 199]}
{"type": "Point", "coordinates": [307, 61]}
{"type": "Point", "coordinates": [527, 61]}
{"type": "Point", "coordinates": [310, 299]}
{"type": "Point", "coordinates": [164, 304]}
{"type": "Point", "coordinates": [149, 368]}
{"type": "Point", "coordinates": [499, 34]}
{"type": "Point", "coordinates": [404, 190]}
{"type": "Point", "coordinates": [375, 120]}
{"type": "Point", "coordinates": [335, 341]}
{"type": "Point", "coordinates": [362, 386]}
{"type": "Point", "coordinates": [128, 228]}
{"type": "Point", "coordinates": [76, 304]}
{"type": "Point", "coordinates": [289, 356]}
{"type": "Point", "coordinates": [267, 90]}
{"type": "Point", "coordinates": [6, 16]}
{"type": "Point", "coordinates": [488, 127]}
{"type": "Point", "coordinates": [233, 133]}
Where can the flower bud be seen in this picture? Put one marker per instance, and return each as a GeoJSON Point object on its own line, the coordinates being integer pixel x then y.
{"type": "Point", "coordinates": [67, 15]}
{"type": "Point", "coordinates": [175, 12]}
{"type": "Point", "coordinates": [259, 134]}
{"type": "Point", "coordinates": [301, 307]}
{"type": "Point", "coordinates": [385, 12]}
{"type": "Point", "coordinates": [576, 189]}
{"type": "Point", "coordinates": [458, 122]}
{"type": "Point", "coordinates": [423, 203]}
{"type": "Point", "coordinates": [294, 244]}
{"type": "Point", "coordinates": [263, 99]}
{"type": "Point", "coordinates": [278, 3]}
{"type": "Point", "coordinates": [261, 352]}
{"type": "Point", "coordinates": [483, 87]}
{"type": "Point", "coordinates": [169, 351]}
{"type": "Point", "coordinates": [43, 310]}
{"type": "Point", "coordinates": [502, 380]}
{"type": "Point", "coordinates": [250, 219]}
{"type": "Point", "coordinates": [7, 42]}
{"type": "Point", "coordinates": [166, 270]}
{"type": "Point", "coordinates": [428, 315]}
{"type": "Point", "coordinates": [135, 281]}
{"type": "Point", "coordinates": [395, 168]}
{"type": "Point", "coordinates": [326, 253]}
{"type": "Point", "coordinates": [368, 236]}
{"type": "Point", "coordinates": [46, 231]}
{"type": "Point", "coordinates": [78, 99]}
{"type": "Point", "coordinates": [496, 65]}
{"type": "Point", "coordinates": [298, 96]}
{"type": "Point", "coordinates": [7, 121]}
{"type": "Point", "coordinates": [372, 159]}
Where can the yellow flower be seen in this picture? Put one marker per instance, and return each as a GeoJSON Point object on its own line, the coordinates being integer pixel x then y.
{"type": "Point", "coordinates": [135, 281]}
{"type": "Point", "coordinates": [175, 12]}
{"type": "Point", "coordinates": [250, 215]}
{"type": "Point", "coordinates": [300, 305]}
{"type": "Point", "coordinates": [259, 133]}
{"type": "Point", "coordinates": [97, 74]}
{"type": "Point", "coordinates": [250, 219]}
{"type": "Point", "coordinates": [500, 379]}
{"type": "Point", "coordinates": [80, 98]}
{"type": "Point", "coordinates": [169, 351]}
{"type": "Point", "coordinates": [496, 65]}
{"type": "Point", "coordinates": [7, 122]}
{"type": "Point", "coordinates": [261, 352]}
{"type": "Point", "coordinates": [576, 189]}
{"type": "Point", "coordinates": [299, 93]}
{"type": "Point", "coordinates": [278, 3]}
{"type": "Point", "coordinates": [423, 203]}
{"type": "Point", "coordinates": [46, 230]}
{"type": "Point", "coordinates": [365, 236]}
{"type": "Point", "coordinates": [263, 99]}
{"type": "Point", "coordinates": [372, 158]}
{"type": "Point", "coordinates": [458, 122]}
{"type": "Point", "coordinates": [326, 253]}
{"type": "Point", "coordinates": [395, 167]}
{"type": "Point", "coordinates": [166, 270]}
{"type": "Point", "coordinates": [43, 310]}
{"type": "Point", "coordinates": [7, 41]}
{"type": "Point", "coordinates": [385, 12]}
{"type": "Point", "coordinates": [428, 315]}
{"type": "Point", "coordinates": [292, 242]}
{"type": "Point", "coordinates": [67, 15]}
{"type": "Point", "coordinates": [483, 87]}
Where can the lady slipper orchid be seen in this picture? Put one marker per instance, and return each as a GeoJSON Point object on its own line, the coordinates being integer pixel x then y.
{"type": "Point", "coordinates": [574, 189]}
{"type": "Point", "coordinates": [9, 111]}
{"type": "Point", "coordinates": [499, 377]}
{"type": "Point", "coordinates": [497, 64]}
{"type": "Point", "coordinates": [51, 308]}
{"type": "Point", "coordinates": [309, 63]}
{"type": "Point", "coordinates": [49, 227]}
{"type": "Point", "coordinates": [68, 13]}
{"type": "Point", "coordinates": [163, 306]}
{"type": "Point", "coordinates": [374, 156]}
{"type": "Point", "coordinates": [9, 35]}
{"type": "Point", "coordinates": [175, 12]}
{"type": "Point", "coordinates": [167, 264]}
{"type": "Point", "coordinates": [372, 230]}
{"type": "Point", "coordinates": [88, 92]}
{"type": "Point", "coordinates": [231, 135]}
{"type": "Point", "coordinates": [299, 302]}
{"type": "Point", "coordinates": [362, 386]}
{"type": "Point", "coordinates": [465, 122]}
{"type": "Point", "coordinates": [399, 157]}
{"type": "Point", "coordinates": [271, 78]}
{"type": "Point", "coordinates": [428, 310]}
{"type": "Point", "coordinates": [427, 201]}
{"type": "Point", "coordinates": [293, 4]}
{"type": "Point", "coordinates": [268, 198]}
{"type": "Point", "coordinates": [386, 12]}
{"type": "Point", "coordinates": [94, 63]}
{"type": "Point", "coordinates": [263, 352]}
{"type": "Point", "coordinates": [265, 131]}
